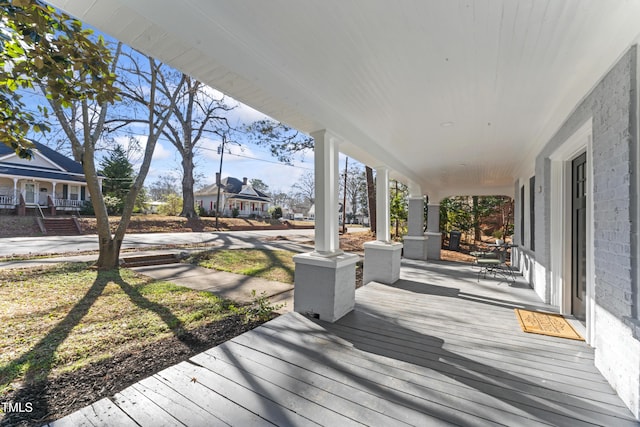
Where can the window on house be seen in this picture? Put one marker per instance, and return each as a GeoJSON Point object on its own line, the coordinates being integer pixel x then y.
{"type": "Point", "coordinates": [532, 213]}
{"type": "Point", "coordinates": [74, 192]}
{"type": "Point", "coordinates": [522, 215]}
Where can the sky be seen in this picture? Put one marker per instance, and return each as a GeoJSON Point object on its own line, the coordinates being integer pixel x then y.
{"type": "Point", "coordinates": [240, 160]}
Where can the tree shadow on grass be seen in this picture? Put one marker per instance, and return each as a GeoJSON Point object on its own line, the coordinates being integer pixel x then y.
{"type": "Point", "coordinates": [38, 362]}
{"type": "Point", "coordinates": [272, 262]}
{"type": "Point", "coordinates": [275, 262]}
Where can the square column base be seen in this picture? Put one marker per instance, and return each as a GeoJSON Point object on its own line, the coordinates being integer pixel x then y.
{"type": "Point", "coordinates": [415, 247]}
{"type": "Point", "coordinates": [325, 285]}
{"type": "Point", "coordinates": [434, 245]}
{"type": "Point", "coordinates": [382, 262]}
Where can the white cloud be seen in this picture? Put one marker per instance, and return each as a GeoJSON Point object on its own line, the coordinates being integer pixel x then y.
{"type": "Point", "coordinates": [242, 114]}
{"type": "Point", "coordinates": [246, 114]}
{"type": "Point", "coordinates": [160, 152]}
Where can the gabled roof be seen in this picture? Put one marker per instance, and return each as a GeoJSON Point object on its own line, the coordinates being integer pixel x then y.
{"type": "Point", "coordinates": [64, 163]}
{"type": "Point", "coordinates": [5, 169]}
{"type": "Point", "coordinates": [235, 187]}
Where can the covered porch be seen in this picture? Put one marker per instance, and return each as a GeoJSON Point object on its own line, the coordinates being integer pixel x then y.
{"type": "Point", "coordinates": [452, 98]}
{"type": "Point", "coordinates": [21, 193]}
{"type": "Point", "coordinates": [438, 347]}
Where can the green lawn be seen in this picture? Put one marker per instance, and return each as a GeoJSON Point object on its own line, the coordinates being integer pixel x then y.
{"type": "Point", "coordinates": [62, 318]}
{"type": "Point", "coordinates": [274, 265]}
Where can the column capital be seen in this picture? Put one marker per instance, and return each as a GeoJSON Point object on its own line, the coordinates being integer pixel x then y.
{"type": "Point", "coordinates": [415, 190]}
{"type": "Point", "coordinates": [325, 134]}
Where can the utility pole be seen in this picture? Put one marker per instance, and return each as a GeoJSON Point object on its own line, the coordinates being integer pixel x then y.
{"type": "Point", "coordinates": [219, 177]}
{"type": "Point", "coordinates": [344, 198]}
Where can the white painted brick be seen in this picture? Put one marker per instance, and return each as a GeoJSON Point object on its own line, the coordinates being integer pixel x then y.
{"type": "Point", "coordinates": [618, 357]}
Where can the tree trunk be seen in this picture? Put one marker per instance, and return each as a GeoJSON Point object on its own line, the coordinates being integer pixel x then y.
{"type": "Point", "coordinates": [188, 199]}
{"type": "Point", "coordinates": [476, 220]}
{"type": "Point", "coordinates": [371, 198]}
{"type": "Point", "coordinates": [109, 257]}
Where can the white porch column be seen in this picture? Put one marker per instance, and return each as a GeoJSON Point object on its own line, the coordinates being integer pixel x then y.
{"type": "Point", "coordinates": [433, 231]}
{"type": "Point", "coordinates": [415, 242]}
{"type": "Point", "coordinates": [383, 209]}
{"type": "Point", "coordinates": [382, 257]}
{"type": "Point", "coordinates": [326, 197]}
{"type": "Point", "coordinates": [325, 279]}
{"type": "Point", "coordinates": [15, 191]}
{"type": "Point", "coordinates": [53, 191]}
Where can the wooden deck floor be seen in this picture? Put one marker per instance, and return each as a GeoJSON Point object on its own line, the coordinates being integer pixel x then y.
{"type": "Point", "coordinates": [437, 348]}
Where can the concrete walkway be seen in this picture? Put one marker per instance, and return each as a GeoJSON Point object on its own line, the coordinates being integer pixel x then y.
{"type": "Point", "coordinates": [235, 287]}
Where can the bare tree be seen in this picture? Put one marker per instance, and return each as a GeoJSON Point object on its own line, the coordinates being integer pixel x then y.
{"type": "Point", "coordinates": [196, 112]}
{"type": "Point", "coordinates": [163, 186]}
{"type": "Point", "coordinates": [305, 188]}
{"type": "Point", "coordinates": [280, 198]}
{"type": "Point", "coordinates": [84, 124]}
{"type": "Point", "coordinates": [356, 186]}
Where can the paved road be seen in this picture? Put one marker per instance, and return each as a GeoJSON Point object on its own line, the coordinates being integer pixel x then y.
{"type": "Point", "coordinates": [68, 244]}
{"type": "Point", "coordinates": [227, 285]}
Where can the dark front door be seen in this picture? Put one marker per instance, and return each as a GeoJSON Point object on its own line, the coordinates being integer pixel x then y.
{"type": "Point", "coordinates": [579, 237]}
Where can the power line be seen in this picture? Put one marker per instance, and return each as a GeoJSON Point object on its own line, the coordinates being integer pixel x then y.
{"type": "Point", "coordinates": [258, 159]}
{"type": "Point", "coordinates": [230, 153]}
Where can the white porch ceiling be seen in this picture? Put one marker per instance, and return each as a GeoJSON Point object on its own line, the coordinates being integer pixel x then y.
{"type": "Point", "coordinates": [457, 96]}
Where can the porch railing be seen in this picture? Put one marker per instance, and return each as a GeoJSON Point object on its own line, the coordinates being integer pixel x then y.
{"type": "Point", "coordinates": [67, 203]}
{"type": "Point", "coordinates": [245, 213]}
{"type": "Point", "coordinates": [7, 200]}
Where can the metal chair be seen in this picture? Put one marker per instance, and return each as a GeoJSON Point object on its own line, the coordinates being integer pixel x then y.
{"type": "Point", "coordinates": [495, 263]}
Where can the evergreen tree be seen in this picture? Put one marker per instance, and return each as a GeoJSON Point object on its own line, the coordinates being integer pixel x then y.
{"type": "Point", "coordinates": [119, 176]}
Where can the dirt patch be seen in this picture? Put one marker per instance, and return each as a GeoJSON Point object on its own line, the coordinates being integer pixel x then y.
{"type": "Point", "coordinates": [61, 395]}
{"type": "Point", "coordinates": [173, 224]}
{"type": "Point", "coordinates": [354, 242]}
{"type": "Point", "coordinates": [18, 226]}
{"type": "Point", "coordinates": [447, 255]}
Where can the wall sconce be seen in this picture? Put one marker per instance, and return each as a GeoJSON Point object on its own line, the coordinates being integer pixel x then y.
{"type": "Point", "coordinates": [539, 188]}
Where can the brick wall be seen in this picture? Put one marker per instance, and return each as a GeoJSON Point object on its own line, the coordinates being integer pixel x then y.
{"type": "Point", "coordinates": [610, 106]}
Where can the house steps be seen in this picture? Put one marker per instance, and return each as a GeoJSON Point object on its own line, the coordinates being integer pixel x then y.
{"type": "Point", "coordinates": [59, 226]}
{"type": "Point", "coordinates": [144, 260]}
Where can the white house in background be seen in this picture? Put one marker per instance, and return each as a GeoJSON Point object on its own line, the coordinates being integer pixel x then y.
{"type": "Point", "coordinates": [48, 180]}
{"type": "Point", "coordinates": [234, 194]}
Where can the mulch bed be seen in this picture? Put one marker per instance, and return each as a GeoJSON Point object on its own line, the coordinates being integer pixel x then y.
{"type": "Point", "coordinates": [56, 397]}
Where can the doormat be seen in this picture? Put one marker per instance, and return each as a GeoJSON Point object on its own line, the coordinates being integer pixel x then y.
{"type": "Point", "coordinates": [552, 324]}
